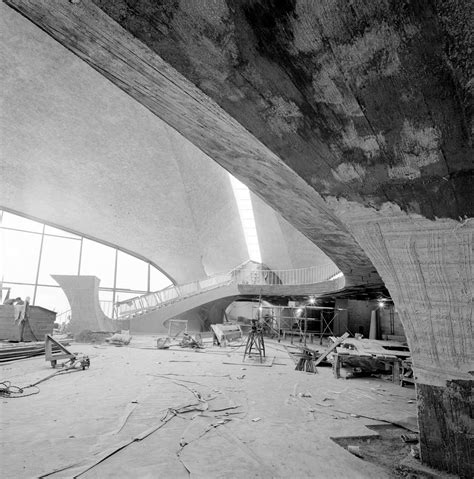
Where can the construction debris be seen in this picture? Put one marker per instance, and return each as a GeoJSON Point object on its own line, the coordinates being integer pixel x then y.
{"type": "Point", "coordinates": [409, 438]}
{"type": "Point", "coordinates": [120, 339]}
{"type": "Point", "coordinates": [367, 356]}
{"type": "Point", "coordinates": [223, 333]}
{"type": "Point", "coordinates": [306, 363]}
{"type": "Point", "coordinates": [415, 451]}
{"type": "Point", "coordinates": [88, 336]}
{"type": "Point", "coordinates": [163, 343]}
{"type": "Point", "coordinates": [189, 342]}
{"type": "Point", "coordinates": [355, 450]}
{"type": "Point", "coordinates": [337, 342]}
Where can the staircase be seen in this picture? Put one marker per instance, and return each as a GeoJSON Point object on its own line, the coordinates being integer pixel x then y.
{"type": "Point", "coordinates": [249, 278]}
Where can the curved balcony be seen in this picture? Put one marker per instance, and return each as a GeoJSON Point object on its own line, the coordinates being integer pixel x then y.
{"type": "Point", "coordinates": [249, 278]}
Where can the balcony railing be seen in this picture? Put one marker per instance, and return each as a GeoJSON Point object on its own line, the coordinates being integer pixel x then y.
{"type": "Point", "coordinates": [240, 275]}
{"type": "Point", "coordinates": [312, 275]}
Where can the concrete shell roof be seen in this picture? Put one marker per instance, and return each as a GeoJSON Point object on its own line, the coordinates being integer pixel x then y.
{"type": "Point", "coordinates": [79, 153]}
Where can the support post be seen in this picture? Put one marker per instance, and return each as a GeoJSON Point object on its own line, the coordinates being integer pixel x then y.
{"type": "Point", "coordinates": [445, 420]}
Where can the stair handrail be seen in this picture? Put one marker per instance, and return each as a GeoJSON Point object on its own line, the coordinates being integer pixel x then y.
{"type": "Point", "coordinates": [248, 272]}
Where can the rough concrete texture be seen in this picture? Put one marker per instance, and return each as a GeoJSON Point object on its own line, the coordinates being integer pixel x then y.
{"type": "Point", "coordinates": [281, 245]}
{"type": "Point", "coordinates": [438, 407]}
{"type": "Point", "coordinates": [82, 292]}
{"type": "Point", "coordinates": [427, 267]}
{"type": "Point", "coordinates": [367, 95]}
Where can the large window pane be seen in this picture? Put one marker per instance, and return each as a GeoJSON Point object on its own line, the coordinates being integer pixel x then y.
{"type": "Point", "coordinates": [52, 298]}
{"type": "Point", "coordinates": [13, 221]}
{"type": "Point", "coordinates": [132, 273]}
{"type": "Point", "coordinates": [60, 256]}
{"type": "Point", "coordinates": [105, 295]}
{"type": "Point", "coordinates": [105, 301]}
{"type": "Point", "coordinates": [122, 296]}
{"type": "Point", "coordinates": [20, 253]}
{"type": "Point", "coordinates": [158, 280]}
{"type": "Point", "coordinates": [19, 291]}
{"type": "Point", "coordinates": [98, 260]}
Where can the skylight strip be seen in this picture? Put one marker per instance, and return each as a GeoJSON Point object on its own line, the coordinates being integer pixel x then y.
{"type": "Point", "coordinates": [247, 218]}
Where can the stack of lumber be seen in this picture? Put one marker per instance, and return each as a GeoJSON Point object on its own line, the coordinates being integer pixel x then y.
{"type": "Point", "coordinates": [10, 352]}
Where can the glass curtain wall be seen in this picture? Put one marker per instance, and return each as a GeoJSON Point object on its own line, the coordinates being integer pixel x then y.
{"type": "Point", "coordinates": [30, 252]}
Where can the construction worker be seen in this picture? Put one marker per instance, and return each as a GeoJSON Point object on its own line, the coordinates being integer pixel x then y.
{"type": "Point", "coordinates": [23, 316]}
{"type": "Point", "coordinates": [12, 301]}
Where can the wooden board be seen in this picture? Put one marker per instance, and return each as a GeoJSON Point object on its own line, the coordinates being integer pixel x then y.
{"type": "Point", "coordinates": [331, 348]}
{"type": "Point", "coordinates": [372, 347]}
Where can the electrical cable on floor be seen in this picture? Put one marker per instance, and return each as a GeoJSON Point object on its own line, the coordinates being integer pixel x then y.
{"type": "Point", "coordinates": [10, 391]}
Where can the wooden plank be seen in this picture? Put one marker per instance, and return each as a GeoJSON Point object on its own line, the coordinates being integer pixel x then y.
{"type": "Point", "coordinates": [331, 348]}
{"type": "Point", "coordinates": [336, 367]}
{"type": "Point", "coordinates": [352, 352]}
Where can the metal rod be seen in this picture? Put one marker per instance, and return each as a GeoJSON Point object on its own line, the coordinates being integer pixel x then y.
{"type": "Point", "coordinates": [115, 277]}
{"type": "Point", "coordinates": [39, 264]}
{"type": "Point", "coordinates": [80, 257]}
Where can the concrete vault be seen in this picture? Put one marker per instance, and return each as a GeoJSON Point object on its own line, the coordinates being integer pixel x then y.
{"type": "Point", "coordinates": [353, 120]}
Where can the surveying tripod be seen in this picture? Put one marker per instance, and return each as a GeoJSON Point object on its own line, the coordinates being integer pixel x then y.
{"type": "Point", "coordinates": [255, 339]}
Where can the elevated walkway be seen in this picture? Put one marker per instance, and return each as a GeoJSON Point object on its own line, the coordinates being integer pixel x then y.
{"type": "Point", "coordinates": [150, 312]}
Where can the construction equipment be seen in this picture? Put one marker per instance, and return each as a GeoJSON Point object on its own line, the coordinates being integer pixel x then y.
{"type": "Point", "coordinates": [255, 339]}
{"type": "Point", "coordinates": [75, 360]}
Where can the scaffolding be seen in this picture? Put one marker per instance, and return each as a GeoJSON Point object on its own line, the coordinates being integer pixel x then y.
{"type": "Point", "coordinates": [305, 321]}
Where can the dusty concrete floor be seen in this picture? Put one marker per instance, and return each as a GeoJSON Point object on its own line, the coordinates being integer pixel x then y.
{"type": "Point", "coordinates": [243, 421]}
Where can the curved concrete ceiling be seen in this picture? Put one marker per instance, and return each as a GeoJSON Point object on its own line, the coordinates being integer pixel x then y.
{"type": "Point", "coordinates": [80, 154]}
{"type": "Point", "coordinates": [352, 119]}
{"type": "Point", "coordinates": [282, 246]}
{"type": "Point", "coordinates": [142, 74]}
